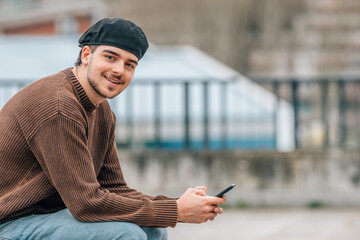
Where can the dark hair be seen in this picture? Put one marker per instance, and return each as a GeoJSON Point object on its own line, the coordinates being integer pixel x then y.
{"type": "Point", "coordinates": [92, 48]}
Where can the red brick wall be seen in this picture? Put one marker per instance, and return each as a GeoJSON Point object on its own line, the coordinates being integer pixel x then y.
{"type": "Point", "coordinates": [47, 27]}
{"type": "Point", "coordinates": [83, 23]}
{"type": "Point", "coordinates": [40, 28]}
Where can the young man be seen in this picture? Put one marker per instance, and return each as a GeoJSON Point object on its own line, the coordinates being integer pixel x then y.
{"type": "Point", "coordinates": [60, 176]}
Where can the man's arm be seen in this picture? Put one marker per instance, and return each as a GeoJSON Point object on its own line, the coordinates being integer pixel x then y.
{"type": "Point", "coordinates": [111, 176]}
{"type": "Point", "coordinates": [192, 208]}
{"type": "Point", "coordinates": [70, 168]}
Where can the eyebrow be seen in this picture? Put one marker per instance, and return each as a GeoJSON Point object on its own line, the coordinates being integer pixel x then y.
{"type": "Point", "coordinates": [118, 55]}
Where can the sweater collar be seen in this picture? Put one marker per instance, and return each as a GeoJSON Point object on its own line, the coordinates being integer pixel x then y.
{"type": "Point", "coordinates": [84, 99]}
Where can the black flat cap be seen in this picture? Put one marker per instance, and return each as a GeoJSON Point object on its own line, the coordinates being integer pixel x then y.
{"type": "Point", "coordinates": [116, 32]}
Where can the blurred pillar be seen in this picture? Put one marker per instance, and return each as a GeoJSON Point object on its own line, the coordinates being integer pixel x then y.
{"type": "Point", "coordinates": [275, 87]}
{"type": "Point", "coordinates": [129, 117]}
{"type": "Point", "coordinates": [224, 118]}
{"type": "Point", "coordinates": [295, 103]}
{"type": "Point", "coordinates": [206, 114]}
{"type": "Point", "coordinates": [157, 114]}
{"type": "Point", "coordinates": [324, 111]}
{"type": "Point", "coordinates": [186, 116]}
{"type": "Point", "coordinates": [342, 112]}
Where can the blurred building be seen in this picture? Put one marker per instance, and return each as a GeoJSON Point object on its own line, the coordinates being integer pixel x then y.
{"type": "Point", "coordinates": [323, 40]}
{"type": "Point", "coordinates": [321, 53]}
{"type": "Point", "coordinates": [48, 16]}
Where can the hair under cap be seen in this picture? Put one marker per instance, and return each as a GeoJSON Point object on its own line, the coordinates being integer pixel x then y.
{"type": "Point", "coordinates": [116, 32]}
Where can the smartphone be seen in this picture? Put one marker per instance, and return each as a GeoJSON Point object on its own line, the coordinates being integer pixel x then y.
{"type": "Point", "coordinates": [220, 194]}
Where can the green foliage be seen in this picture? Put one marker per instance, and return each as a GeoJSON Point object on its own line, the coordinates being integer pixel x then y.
{"type": "Point", "coordinates": [315, 204]}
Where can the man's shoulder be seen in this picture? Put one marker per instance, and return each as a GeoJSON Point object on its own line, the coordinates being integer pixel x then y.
{"type": "Point", "coordinates": [50, 82]}
{"type": "Point", "coordinates": [37, 102]}
{"type": "Point", "coordinates": [36, 95]}
{"type": "Point", "coordinates": [49, 92]}
{"type": "Point", "coordinates": [42, 90]}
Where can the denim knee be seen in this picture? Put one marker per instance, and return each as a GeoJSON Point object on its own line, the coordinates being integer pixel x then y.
{"type": "Point", "coordinates": [154, 233]}
{"type": "Point", "coordinates": [134, 232]}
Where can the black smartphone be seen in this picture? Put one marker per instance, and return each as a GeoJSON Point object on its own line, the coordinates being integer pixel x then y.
{"type": "Point", "coordinates": [220, 194]}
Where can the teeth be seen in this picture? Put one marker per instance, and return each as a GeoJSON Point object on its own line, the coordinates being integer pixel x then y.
{"type": "Point", "coordinates": [112, 81]}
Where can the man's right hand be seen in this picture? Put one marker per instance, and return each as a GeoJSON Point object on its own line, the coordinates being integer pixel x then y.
{"type": "Point", "coordinates": [195, 207]}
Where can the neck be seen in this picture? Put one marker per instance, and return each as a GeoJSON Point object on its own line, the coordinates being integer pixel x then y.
{"type": "Point", "coordinates": [80, 73]}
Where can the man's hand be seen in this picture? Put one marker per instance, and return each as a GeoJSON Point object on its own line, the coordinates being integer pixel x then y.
{"type": "Point", "coordinates": [195, 207]}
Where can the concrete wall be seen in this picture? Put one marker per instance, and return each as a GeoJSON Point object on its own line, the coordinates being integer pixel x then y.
{"type": "Point", "coordinates": [329, 177]}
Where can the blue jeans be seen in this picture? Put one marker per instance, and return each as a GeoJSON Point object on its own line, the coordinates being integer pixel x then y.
{"type": "Point", "coordinates": [61, 225]}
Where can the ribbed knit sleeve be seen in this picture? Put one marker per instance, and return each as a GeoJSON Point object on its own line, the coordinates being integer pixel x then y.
{"type": "Point", "coordinates": [111, 176]}
{"type": "Point", "coordinates": [60, 145]}
{"type": "Point", "coordinates": [69, 167]}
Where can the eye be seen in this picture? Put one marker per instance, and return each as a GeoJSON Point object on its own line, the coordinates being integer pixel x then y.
{"type": "Point", "coordinates": [130, 65]}
{"type": "Point", "coordinates": [110, 57]}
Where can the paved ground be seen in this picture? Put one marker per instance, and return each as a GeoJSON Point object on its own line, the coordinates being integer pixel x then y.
{"type": "Point", "coordinates": [272, 224]}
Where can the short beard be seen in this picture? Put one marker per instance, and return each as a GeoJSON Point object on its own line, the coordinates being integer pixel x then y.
{"type": "Point", "coordinates": [90, 80]}
{"type": "Point", "coordinates": [91, 83]}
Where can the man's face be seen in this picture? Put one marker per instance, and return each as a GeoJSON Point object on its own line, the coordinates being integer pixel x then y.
{"type": "Point", "coordinates": [109, 70]}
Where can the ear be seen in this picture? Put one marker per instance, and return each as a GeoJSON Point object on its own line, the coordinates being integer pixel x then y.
{"type": "Point", "coordinates": [85, 55]}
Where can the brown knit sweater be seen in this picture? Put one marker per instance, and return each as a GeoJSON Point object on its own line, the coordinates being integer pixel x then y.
{"type": "Point", "coordinates": [57, 150]}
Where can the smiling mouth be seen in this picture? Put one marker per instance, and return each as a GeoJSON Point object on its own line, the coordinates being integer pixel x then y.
{"type": "Point", "coordinates": [114, 81]}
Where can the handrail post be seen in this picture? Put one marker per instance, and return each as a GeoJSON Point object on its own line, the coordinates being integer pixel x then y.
{"type": "Point", "coordinates": [295, 103]}
{"type": "Point", "coordinates": [206, 114]}
{"type": "Point", "coordinates": [157, 114]}
{"type": "Point", "coordinates": [324, 112]}
{"type": "Point", "coordinates": [129, 117]}
{"type": "Point", "coordinates": [224, 116]}
{"type": "Point", "coordinates": [186, 115]}
{"type": "Point", "coordinates": [275, 86]}
{"type": "Point", "coordinates": [342, 112]}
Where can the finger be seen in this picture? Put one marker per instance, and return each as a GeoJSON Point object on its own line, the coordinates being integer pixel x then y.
{"type": "Point", "coordinates": [194, 190]}
{"type": "Point", "coordinates": [202, 188]}
{"type": "Point", "coordinates": [200, 192]}
{"type": "Point", "coordinates": [208, 209]}
{"type": "Point", "coordinates": [197, 192]}
{"type": "Point", "coordinates": [211, 216]}
{"type": "Point", "coordinates": [215, 200]}
{"type": "Point", "coordinates": [218, 210]}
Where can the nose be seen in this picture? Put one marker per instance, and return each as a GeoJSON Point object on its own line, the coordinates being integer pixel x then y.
{"type": "Point", "coordinates": [118, 69]}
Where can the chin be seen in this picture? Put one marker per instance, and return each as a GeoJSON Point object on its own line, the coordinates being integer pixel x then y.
{"type": "Point", "coordinates": [111, 96]}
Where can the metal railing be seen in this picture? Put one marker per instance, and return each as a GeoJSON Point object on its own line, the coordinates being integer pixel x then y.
{"type": "Point", "coordinates": [328, 108]}
{"type": "Point", "coordinates": [325, 113]}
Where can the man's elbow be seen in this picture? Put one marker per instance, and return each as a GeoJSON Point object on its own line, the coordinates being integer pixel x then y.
{"type": "Point", "coordinates": [82, 214]}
